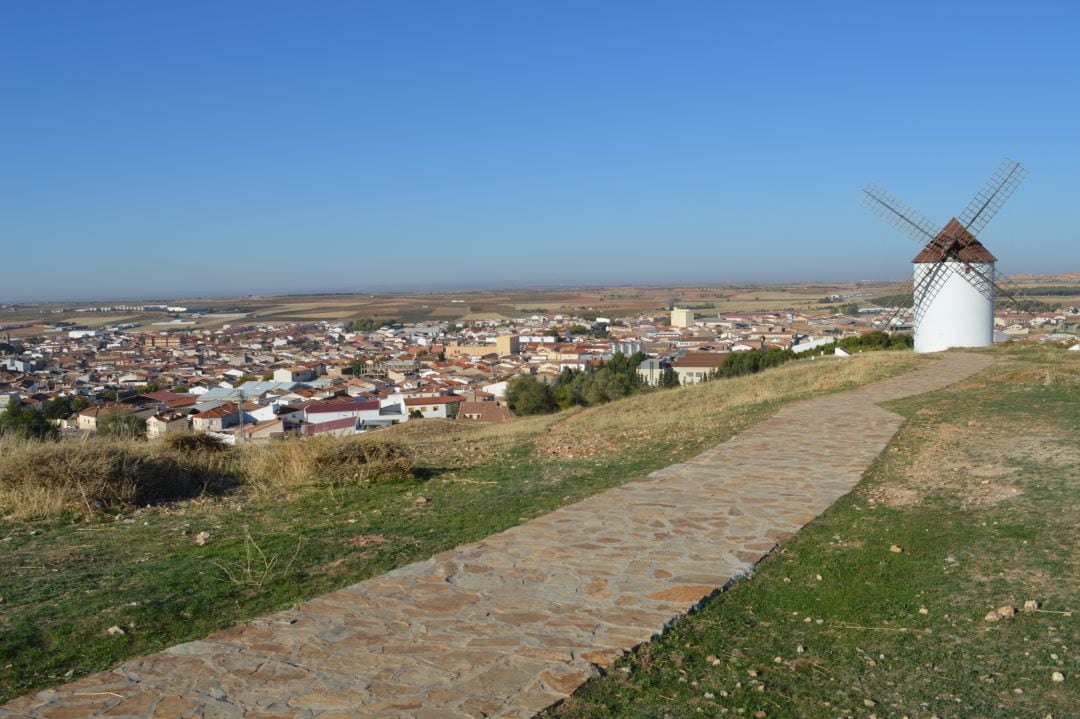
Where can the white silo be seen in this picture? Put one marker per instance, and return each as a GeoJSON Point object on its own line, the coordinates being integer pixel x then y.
{"type": "Point", "coordinates": [954, 292]}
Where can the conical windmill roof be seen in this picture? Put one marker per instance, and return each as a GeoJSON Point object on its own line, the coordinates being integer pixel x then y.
{"type": "Point", "coordinates": [966, 247]}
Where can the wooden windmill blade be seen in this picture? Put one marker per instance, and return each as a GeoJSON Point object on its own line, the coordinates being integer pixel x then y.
{"type": "Point", "coordinates": [993, 195]}
{"type": "Point", "coordinates": [898, 214]}
{"type": "Point", "coordinates": [924, 293]}
{"type": "Point", "coordinates": [1006, 288]}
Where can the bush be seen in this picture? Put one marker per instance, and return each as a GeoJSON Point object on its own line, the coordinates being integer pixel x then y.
{"type": "Point", "coordinates": [358, 460]}
{"type": "Point", "coordinates": [41, 478]}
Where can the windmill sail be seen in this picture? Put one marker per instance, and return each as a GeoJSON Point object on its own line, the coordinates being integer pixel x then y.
{"type": "Point", "coordinates": [898, 213]}
{"type": "Point", "coordinates": [993, 195]}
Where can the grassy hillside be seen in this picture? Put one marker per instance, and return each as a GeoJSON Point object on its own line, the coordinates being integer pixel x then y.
{"type": "Point", "coordinates": [979, 490]}
{"type": "Point", "coordinates": [295, 521]}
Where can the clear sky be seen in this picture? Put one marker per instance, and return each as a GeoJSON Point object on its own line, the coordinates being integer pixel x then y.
{"type": "Point", "coordinates": [198, 147]}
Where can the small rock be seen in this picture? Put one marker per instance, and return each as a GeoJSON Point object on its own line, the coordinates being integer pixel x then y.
{"type": "Point", "coordinates": [709, 695]}
{"type": "Point", "coordinates": [759, 688]}
{"type": "Point", "coordinates": [923, 610]}
{"type": "Point", "coordinates": [1057, 677]}
{"type": "Point", "coordinates": [992, 616]}
{"type": "Point", "coordinates": [202, 538]}
{"type": "Point", "coordinates": [751, 672]}
{"type": "Point", "coordinates": [760, 714]}
{"type": "Point", "coordinates": [800, 649]}
{"type": "Point", "coordinates": [972, 423]}
{"type": "Point", "coordinates": [1005, 611]}
{"type": "Point", "coordinates": [1018, 690]}
{"type": "Point", "coordinates": [869, 702]}
{"type": "Point", "coordinates": [69, 673]}
{"type": "Point", "coordinates": [1030, 605]}
{"type": "Point", "coordinates": [818, 577]}
{"type": "Point", "coordinates": [713, 659]}
{"type": "Point", "coordinates": [896, 549]}
{"type": "Point", "coordinates": [115, 630]}
{"type": "Point", "coordinates": [420, 500]}
{"type": "Point", "coordinates": [807, 620]}
{"type": "Point", "coordinates": [778, 660]}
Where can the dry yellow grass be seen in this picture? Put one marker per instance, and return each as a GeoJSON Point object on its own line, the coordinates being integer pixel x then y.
{"type": "Point", "coordinates": [40, 479]}
{"type": "Point", "coordinates": [685, 410]}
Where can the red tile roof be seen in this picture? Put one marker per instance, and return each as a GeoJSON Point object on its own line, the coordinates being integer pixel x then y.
{"type": "Point", "coordinates": [954, 241]}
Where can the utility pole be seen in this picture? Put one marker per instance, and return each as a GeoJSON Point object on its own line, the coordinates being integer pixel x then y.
{"type": "Point", "coordinates": [241, 415]}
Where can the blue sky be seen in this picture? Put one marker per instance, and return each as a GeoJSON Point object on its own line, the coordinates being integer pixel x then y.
{"type": "Point", "coordinates": [165, 149]}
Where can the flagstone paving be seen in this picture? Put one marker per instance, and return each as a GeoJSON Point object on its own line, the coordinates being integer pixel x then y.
{"type": "Point", "coordinates": [514, 623]}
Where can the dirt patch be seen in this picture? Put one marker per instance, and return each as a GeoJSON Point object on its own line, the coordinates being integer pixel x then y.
{"type": "Point", "coordinates": [989, 492]}
{"type": "Point", "coordinates": [894, 496]}
{"type": "Point", "coordinates": [364, 540]}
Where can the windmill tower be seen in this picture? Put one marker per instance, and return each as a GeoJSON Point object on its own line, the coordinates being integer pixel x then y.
{"type": "Point", "coordinates": [954, 278]}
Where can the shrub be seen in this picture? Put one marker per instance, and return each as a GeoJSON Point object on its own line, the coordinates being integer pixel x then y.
{"type": "Point", "coordinates": [41, 478]}
{"type": "Point", "coordinates": [354, 461]}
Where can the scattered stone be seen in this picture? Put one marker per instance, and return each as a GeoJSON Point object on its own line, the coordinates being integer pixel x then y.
{"type": "Point", "coordinates": [896, 549]}
{"type": "Point", "coordinates": [760, 714]}
{"type": "Point", "coordinates": [869, 702]}
{"type": "Point", "coordinates": [818, 576]}
{"type": "Point", "coordinates": [714, 660]}
{"type": "Point", "coordinates": [115, 630]}
{"type": "Point", "coordinates": [800, 649]}
{"type": "Point", "coordinates": [778, 660]}
{"type": "Point", "coordinates": [923, 610]}
{"type": "Point", "coordinates": [1003, 612]}
{"type": "Point", "coordinates": [808, 620]}
{"type": "Point", "coordinates": [202, 538]}
{"type": "Point", "coordinates": [709, 695]}
{"type": "Point", "coordinates": [1057, 677]}
{"type": "Point", "coordinates": [972, 423]}
{"type": "Point", "coordinates": [1018, 690]}
{"type": "Point", "coordinates": [420, 500]}
{"type": "Point", "coordinates": [1030, 605]}
{"type": "Point", "coordinates": [759, 688]}
{"type": "Point", "coordinates": [751, 672]}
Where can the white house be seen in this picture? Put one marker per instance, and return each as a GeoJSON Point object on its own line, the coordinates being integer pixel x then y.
{"type": "Point", "coordinates": [322, 412]}
{"type": "Point", "coordinates": [444, 407]}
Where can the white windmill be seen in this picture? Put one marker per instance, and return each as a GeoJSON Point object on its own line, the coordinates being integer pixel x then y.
{"type": "Point", "coordinates": [954, 276]}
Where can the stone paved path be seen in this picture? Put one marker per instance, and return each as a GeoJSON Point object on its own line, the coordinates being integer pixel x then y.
{"type": "Point", "coordinates": [512, 624]}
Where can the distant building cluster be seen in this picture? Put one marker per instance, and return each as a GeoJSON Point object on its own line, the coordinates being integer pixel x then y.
{"type": "Point", "coordinates": [263, 381]}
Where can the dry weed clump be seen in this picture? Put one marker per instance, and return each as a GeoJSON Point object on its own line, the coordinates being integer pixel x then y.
{"type": "Point", "coordinates": [42, 478]}
{"type": "Point", "coordinates": [297, 462]}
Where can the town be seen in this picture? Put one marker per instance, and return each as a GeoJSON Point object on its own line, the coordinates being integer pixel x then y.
{"type": "Point", "coordinates": [250, 380]}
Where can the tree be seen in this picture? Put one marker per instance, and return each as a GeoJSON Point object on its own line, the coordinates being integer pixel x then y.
{"type": "Point", "coordinates": [669, 378]}
{"type": "Point", "coordinates": [415, 414]}
{"type": "Point", "coordinates": [25, 422]}
{"type": "Point", "coordinates": [58, 408]}
{"type": "Point", "coordinates": [526, 395]}
{"type": "Point", "coordinates": [123, 425]}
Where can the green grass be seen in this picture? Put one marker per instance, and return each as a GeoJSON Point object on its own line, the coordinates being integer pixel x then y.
{"type": "Point", "coordinates": [980, 490]}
